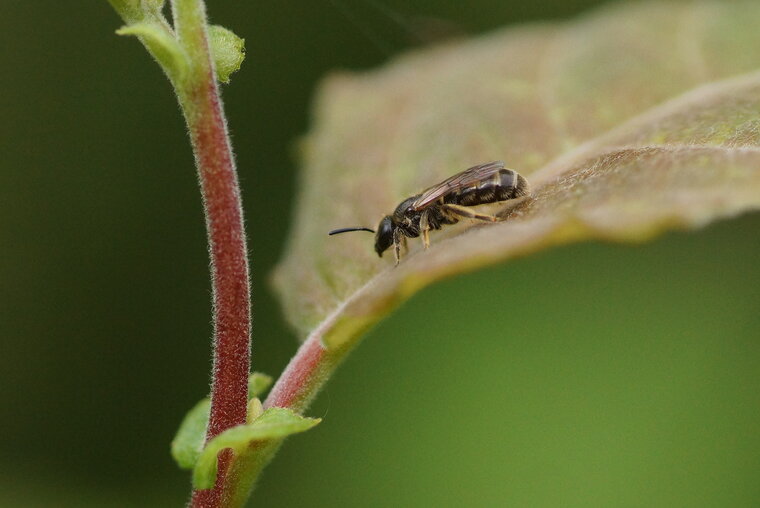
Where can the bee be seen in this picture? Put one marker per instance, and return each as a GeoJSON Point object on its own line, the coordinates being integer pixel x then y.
{"type": "Point", "coordinates": [446, 203]}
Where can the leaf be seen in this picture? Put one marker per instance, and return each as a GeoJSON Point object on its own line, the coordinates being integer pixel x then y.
{"type": "Point", "coordinates": [627, 123]}
{"type": "Point", "coordinates": [130, 10]}
{"type": "Point", "coordinates": [154, 5]}
{"type": "Point", "coordinates": [258, 383]}
{"type": "Point", "coordinates": [188, 443]}
{"type": "Point", "coordinates": [227, 50]}
{"type": "Point", "coordinates": [274, 424]}
{"type": "Point", "coordinates": [162, 45]}
{"type": "Point", "coordinates": [254, 410]}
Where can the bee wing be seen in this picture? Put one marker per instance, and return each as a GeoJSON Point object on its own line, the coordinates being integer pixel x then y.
{"type": "Point", "coordinates": [463, 179]}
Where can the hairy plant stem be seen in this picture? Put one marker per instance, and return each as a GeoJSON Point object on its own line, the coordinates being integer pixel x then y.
{"type": "Point", "coordinates": [195, 83]}
{"type": "Point", "coordinates": [202, 107]}
{"type": "Point", "coordinates": [304, 376]}
{"type": "Point", "coordinates": [229, 388]}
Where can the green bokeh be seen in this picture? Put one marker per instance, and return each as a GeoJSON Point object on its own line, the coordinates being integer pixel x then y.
{"type": "Point", "coordinates": [593, 375]}
{"type": "Point", "coordinates": [588, 375]}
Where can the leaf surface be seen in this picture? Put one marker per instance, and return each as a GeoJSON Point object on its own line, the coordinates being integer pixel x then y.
{"type": "Point", "coordinates": [162, 43]}
{"type": "Point", "coordinates": [628, 122]}
{"type": "Point", "coordinates": [273, 425]}
{"type": "Point", "coordinates": [227, 50]}
{"type": "Point", "coordinates": [187, 444]}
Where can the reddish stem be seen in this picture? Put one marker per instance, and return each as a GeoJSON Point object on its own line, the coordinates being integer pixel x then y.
{"type": "Point", "coordinates": [229, 267]}
{"type": "Point", "coordinates": [302, 378]}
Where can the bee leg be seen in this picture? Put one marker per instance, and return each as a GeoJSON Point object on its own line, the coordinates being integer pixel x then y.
{"type": "Point", "coordinates": [425, 229]}
{"type": "Point", "coordinates": [397, 240]}
{"type": "Point", "coordinates": [464, 211]}
{"type": "Point", "coordinates": [404, 245]}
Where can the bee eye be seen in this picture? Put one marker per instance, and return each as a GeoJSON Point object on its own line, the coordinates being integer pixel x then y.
{"type": "Point", "coordinates": [384, 237]}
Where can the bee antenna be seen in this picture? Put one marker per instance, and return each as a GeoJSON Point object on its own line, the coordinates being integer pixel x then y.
{"type": "Point", "coordinates": [346, 230]}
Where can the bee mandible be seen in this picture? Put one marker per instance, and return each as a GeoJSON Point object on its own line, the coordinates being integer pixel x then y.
{"type": "Point", "coordinates": [446, 203]}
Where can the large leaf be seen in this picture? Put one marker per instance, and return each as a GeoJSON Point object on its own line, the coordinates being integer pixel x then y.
{"type": "Point", "coordinates": [628, 122]}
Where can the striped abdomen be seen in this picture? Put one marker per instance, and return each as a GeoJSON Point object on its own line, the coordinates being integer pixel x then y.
{"type": "Point", "coordinates": [501, 186]}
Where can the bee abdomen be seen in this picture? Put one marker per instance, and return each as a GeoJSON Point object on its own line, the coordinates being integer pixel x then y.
{"type": "Point", "coordinates": [502, 186]}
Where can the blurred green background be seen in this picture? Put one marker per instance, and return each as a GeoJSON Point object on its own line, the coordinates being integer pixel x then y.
{"type": "Point", "coordinates": [590, 375]}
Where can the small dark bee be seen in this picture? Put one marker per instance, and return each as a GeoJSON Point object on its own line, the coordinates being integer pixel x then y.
{"type": "Point", "coordinates": [446, 203]}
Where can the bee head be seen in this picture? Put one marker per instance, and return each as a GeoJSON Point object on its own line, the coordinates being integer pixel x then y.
{"type": "Point", "coordinates": [384, 236]}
